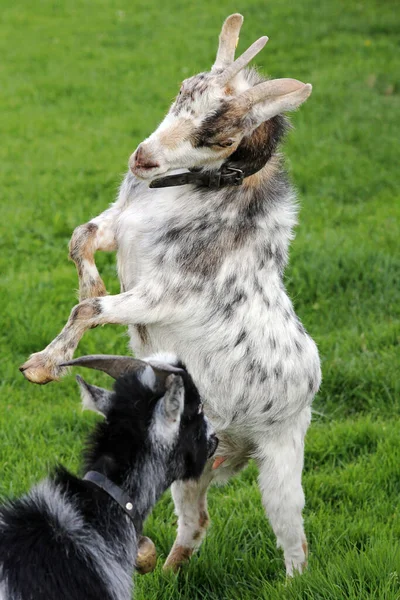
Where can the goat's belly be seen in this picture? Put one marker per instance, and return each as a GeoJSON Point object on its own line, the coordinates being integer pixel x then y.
{"type": "Point", "coordinates": [248, 384]}
{"type": "Point", "coordinates": [242, 394]}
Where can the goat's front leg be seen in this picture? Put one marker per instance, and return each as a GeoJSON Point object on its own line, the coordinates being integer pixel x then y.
{"type": "Point", "coordinates": [128, 308]}
{"type": "Point", "coordinates": [98, 234]}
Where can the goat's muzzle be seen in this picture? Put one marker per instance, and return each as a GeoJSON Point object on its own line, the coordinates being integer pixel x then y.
{"type": "Point", "coordinates": [141, 161]}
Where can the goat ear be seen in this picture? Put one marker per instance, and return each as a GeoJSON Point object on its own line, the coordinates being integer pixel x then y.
{"type": "Point", "coordinates": [270, 98]}
{"type": "Point", "coordinates": [95, 398]}
{"type": "Point", "coordinates": [148, 378]}
{"type": "Point", "coordinates": [174, 398]}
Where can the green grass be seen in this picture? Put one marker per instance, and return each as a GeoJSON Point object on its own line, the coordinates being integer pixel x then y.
{"type": "Point", "coordinates": [81, 83]}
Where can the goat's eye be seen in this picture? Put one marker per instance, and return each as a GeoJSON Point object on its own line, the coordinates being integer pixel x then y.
{"type": "Point", "coordinates": [225, 144]}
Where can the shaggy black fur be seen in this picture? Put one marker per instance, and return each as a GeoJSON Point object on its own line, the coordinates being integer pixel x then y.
{"type": "Point", "coordinates": [68, 540]}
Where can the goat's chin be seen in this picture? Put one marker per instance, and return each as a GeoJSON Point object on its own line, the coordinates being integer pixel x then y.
{"type": "Point", "coordinates": [148, 174]}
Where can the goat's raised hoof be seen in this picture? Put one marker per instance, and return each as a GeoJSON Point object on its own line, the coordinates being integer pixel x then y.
{"type": "Point", "coordinates": [40, 369]}
{"type": "Point", "coordinates": [178, 556]}
{"type": "Point", "coordinates": [146, 557]}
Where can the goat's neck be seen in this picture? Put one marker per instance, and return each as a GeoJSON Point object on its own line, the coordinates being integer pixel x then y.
{"type": "Point", "coordinates": [145, 485]}
{"type": "Point", "coordinates": [144, 482]}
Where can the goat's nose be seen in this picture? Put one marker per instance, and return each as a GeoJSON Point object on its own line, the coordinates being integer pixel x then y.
{"type": "Point", "coordinates": [140, 154]}
{"type": "Point", "coordinates": [142, 159]}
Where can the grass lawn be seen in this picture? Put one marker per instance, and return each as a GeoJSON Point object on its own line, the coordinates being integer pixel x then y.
{"type": "Point", "coordinates": [81, 84]}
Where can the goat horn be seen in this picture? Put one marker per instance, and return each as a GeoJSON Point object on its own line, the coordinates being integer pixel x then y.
{"type": "Point", "coordinates": [228, 40]}
{"type": "Point", "coordinates": [271, 89]}
{"type": "Point", "coordinates": [112, 365]}
{"type": "Point", "coordinates": [115, 366]}
{"type": "Point", "coordinates": [242, 62]}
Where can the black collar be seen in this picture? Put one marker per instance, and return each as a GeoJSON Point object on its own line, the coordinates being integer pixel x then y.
{"type": "Point", "coordinates": [233, 172]}
{"type": "Point", "coordinates": [250, 157]}
{"type": "Point", "coordinates": [211, 179]}
{"type": "Point", "coordinates": [115, 492]}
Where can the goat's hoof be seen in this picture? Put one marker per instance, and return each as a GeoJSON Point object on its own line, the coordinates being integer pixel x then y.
{"type": "Point", "coordinates": [294, 567]}
{"type": "Point", "coordinates": [178, 556]}
{"type": "Point", "coordinates": [40, 369]}
{"type": "Point", "coordinates": [146, 557]}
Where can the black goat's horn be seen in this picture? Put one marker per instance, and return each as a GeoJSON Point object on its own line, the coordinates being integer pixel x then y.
{"type": "Point", "coordinates": [113, 365]}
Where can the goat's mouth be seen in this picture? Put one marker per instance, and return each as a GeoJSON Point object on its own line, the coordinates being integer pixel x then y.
{"type": "Point", "coordinates": [147, 172]}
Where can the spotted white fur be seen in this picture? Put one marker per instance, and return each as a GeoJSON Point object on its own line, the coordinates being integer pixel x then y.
{"type": "Point", "coordinates": [201, 274]}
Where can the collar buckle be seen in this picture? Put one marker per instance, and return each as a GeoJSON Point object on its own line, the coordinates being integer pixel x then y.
{"type": "Point", "coordinates": [235, 176]}
{"type": "Point", "coordinates": [229, 176]}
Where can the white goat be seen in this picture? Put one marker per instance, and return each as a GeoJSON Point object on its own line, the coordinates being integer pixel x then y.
{"type": "Point", "coordinates": [201, 271]}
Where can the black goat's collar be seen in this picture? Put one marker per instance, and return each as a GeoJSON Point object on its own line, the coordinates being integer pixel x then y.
{"type": "Point", "coordinates": [211, 179]}
{"type": "Point", "coordinates": [115, 492]}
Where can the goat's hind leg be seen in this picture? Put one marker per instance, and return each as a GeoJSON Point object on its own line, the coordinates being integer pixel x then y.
{"type": "Point", "coordinates": [98, 234]}
{"type": "Point", "coordinates": [190, 499]}
{"type": "Point", "coordinates": [280, 463]}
